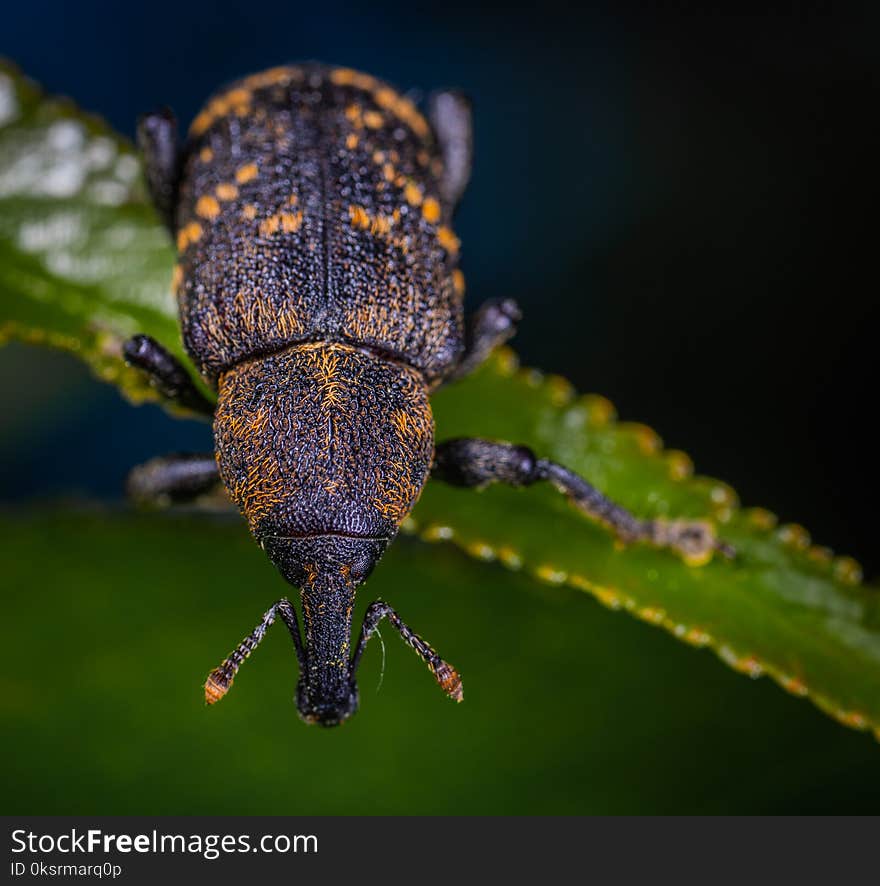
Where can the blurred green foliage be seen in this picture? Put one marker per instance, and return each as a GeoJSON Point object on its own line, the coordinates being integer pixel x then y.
{"type": "Point", "coordinates": [84, 262]}
{"type": "Point", "coordinates": [111, 622]}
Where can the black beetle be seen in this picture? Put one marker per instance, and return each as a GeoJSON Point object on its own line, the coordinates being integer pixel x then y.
{"type": "Point", "coordinates": [320, 296]}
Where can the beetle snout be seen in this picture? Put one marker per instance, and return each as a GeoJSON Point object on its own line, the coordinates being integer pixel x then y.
{"type": "Point", "coordinates": [326, 712]}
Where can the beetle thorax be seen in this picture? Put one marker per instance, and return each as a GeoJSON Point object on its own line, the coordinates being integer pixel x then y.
{"type": "Point", "coordinates": [321, 439]}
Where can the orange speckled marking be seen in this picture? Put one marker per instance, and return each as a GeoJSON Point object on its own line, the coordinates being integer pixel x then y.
{"type": "Point", "coordinates": [176, 278]}
{"type": "Point", "coordinates": [247, 173]}
{"type": "Point", "coordinates": [403, 109]}
{"type": "Point", "coordinates": [359, 216]}
{"type": "Point", "coordinates": [458, 282]}
{"type": "Point", "coordinates": [207, 207]}
{"type": "Point", "coordinates": [431, 210]}
{"type": "Point", "coordinates": [226, 191]}
{"type": "Point", "coordinates": [238, 96]}
{"type": "Point", "coordinates": [278, 76]}
{"type": "Point", "coordinates": [286, 222]}
{"type": "Point", "coordinates": [354, 116]}
{"type": "Point", "coordinates": [349, 77]}
{"type": "Point", "coordinates": [378, 225]}
{"type": "Point", "coordinates": [188, 235]}
{"type": "Point", "coordinates": [385, 97]}
{"type": "Point", "coordinates": [237, 101]}
{"type": "Point", "coordinates": [410, 114]}
{"type": "Point", "coordinates": [206, 155]}
{"type": "Point", "coordinates": [447, 239]}
{"type": "Point", "coordinates": [351, 141]}
{"type": "Point", "coordinates": [249, 211]}
{"type": "Point", "coordinates": [201, 122]}
{"type": "Point", "coordinates": [373, 120]}
{"type": "Point", "coordinates": [412, 194]}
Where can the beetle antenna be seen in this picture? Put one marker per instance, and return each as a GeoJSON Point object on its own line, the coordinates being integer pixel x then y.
{"type": "Point", "coordinates": [443, 672]}
{"type": "Point", "coordinates": [220, 679]}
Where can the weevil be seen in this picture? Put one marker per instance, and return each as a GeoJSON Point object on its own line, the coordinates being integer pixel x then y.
{"type": "Point", "coordinates": [320, 297]}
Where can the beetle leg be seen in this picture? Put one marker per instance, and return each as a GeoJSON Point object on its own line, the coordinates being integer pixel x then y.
{"type": "Point", "coordinates": [444, 673]}
{"type": "Point", "coordinates": [490, 327]}
{"type": "Point", "coordinates": [477, 463]}
{"type": "Point", "coordinates": [166, 373]}
{"type": "Point", "coordinates": [450, 115]}
{"type": "Point", "coordinates": [220, 679]}
{"type": "Point", "coordinates": [172, 479]}
{"type": "Point", "coordinates": [159, 145]}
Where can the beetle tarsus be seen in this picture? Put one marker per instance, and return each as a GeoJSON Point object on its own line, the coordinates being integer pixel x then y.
{"type": "Point", "coordinates": [172, 479]}
{"type": "Point", "coordinates": [158, 141]}
{"type": "Point", "coordinates": [489, 328]}
{"type": "Point", "coordinates": [166, 373]}
{"type": "Point", "coordinates": [451, 116]}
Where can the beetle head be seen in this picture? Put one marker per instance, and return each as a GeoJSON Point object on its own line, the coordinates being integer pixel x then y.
{"type": "Point", "coordinates": [325, 449]}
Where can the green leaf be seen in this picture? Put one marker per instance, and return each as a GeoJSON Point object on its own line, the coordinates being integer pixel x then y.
{"type": "Point", "coordinates": [783, 607]}
{"type": "Point", "coordinates": [111, 622]}
{"type": "Point", "coordinates": [84, 261]}
{"type": "Point", "coordinates": [83, 271]}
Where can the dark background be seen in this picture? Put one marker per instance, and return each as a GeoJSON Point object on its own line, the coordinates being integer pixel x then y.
{"type": "Point", "coordinates": [682, 201]}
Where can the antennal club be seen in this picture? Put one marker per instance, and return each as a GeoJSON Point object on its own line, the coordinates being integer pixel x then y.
{"type": "Point", "coordinates": [220, 679]}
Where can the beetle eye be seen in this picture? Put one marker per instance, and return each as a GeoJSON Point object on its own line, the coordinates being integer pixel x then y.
{"type": "Point", "coordinates": [363, 566]}
{"type": "Point", "coordinates": [358, 571]}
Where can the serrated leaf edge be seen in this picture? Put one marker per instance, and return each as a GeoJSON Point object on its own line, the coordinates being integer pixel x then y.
{"type": "Point", "coordinates": [560, 393]}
